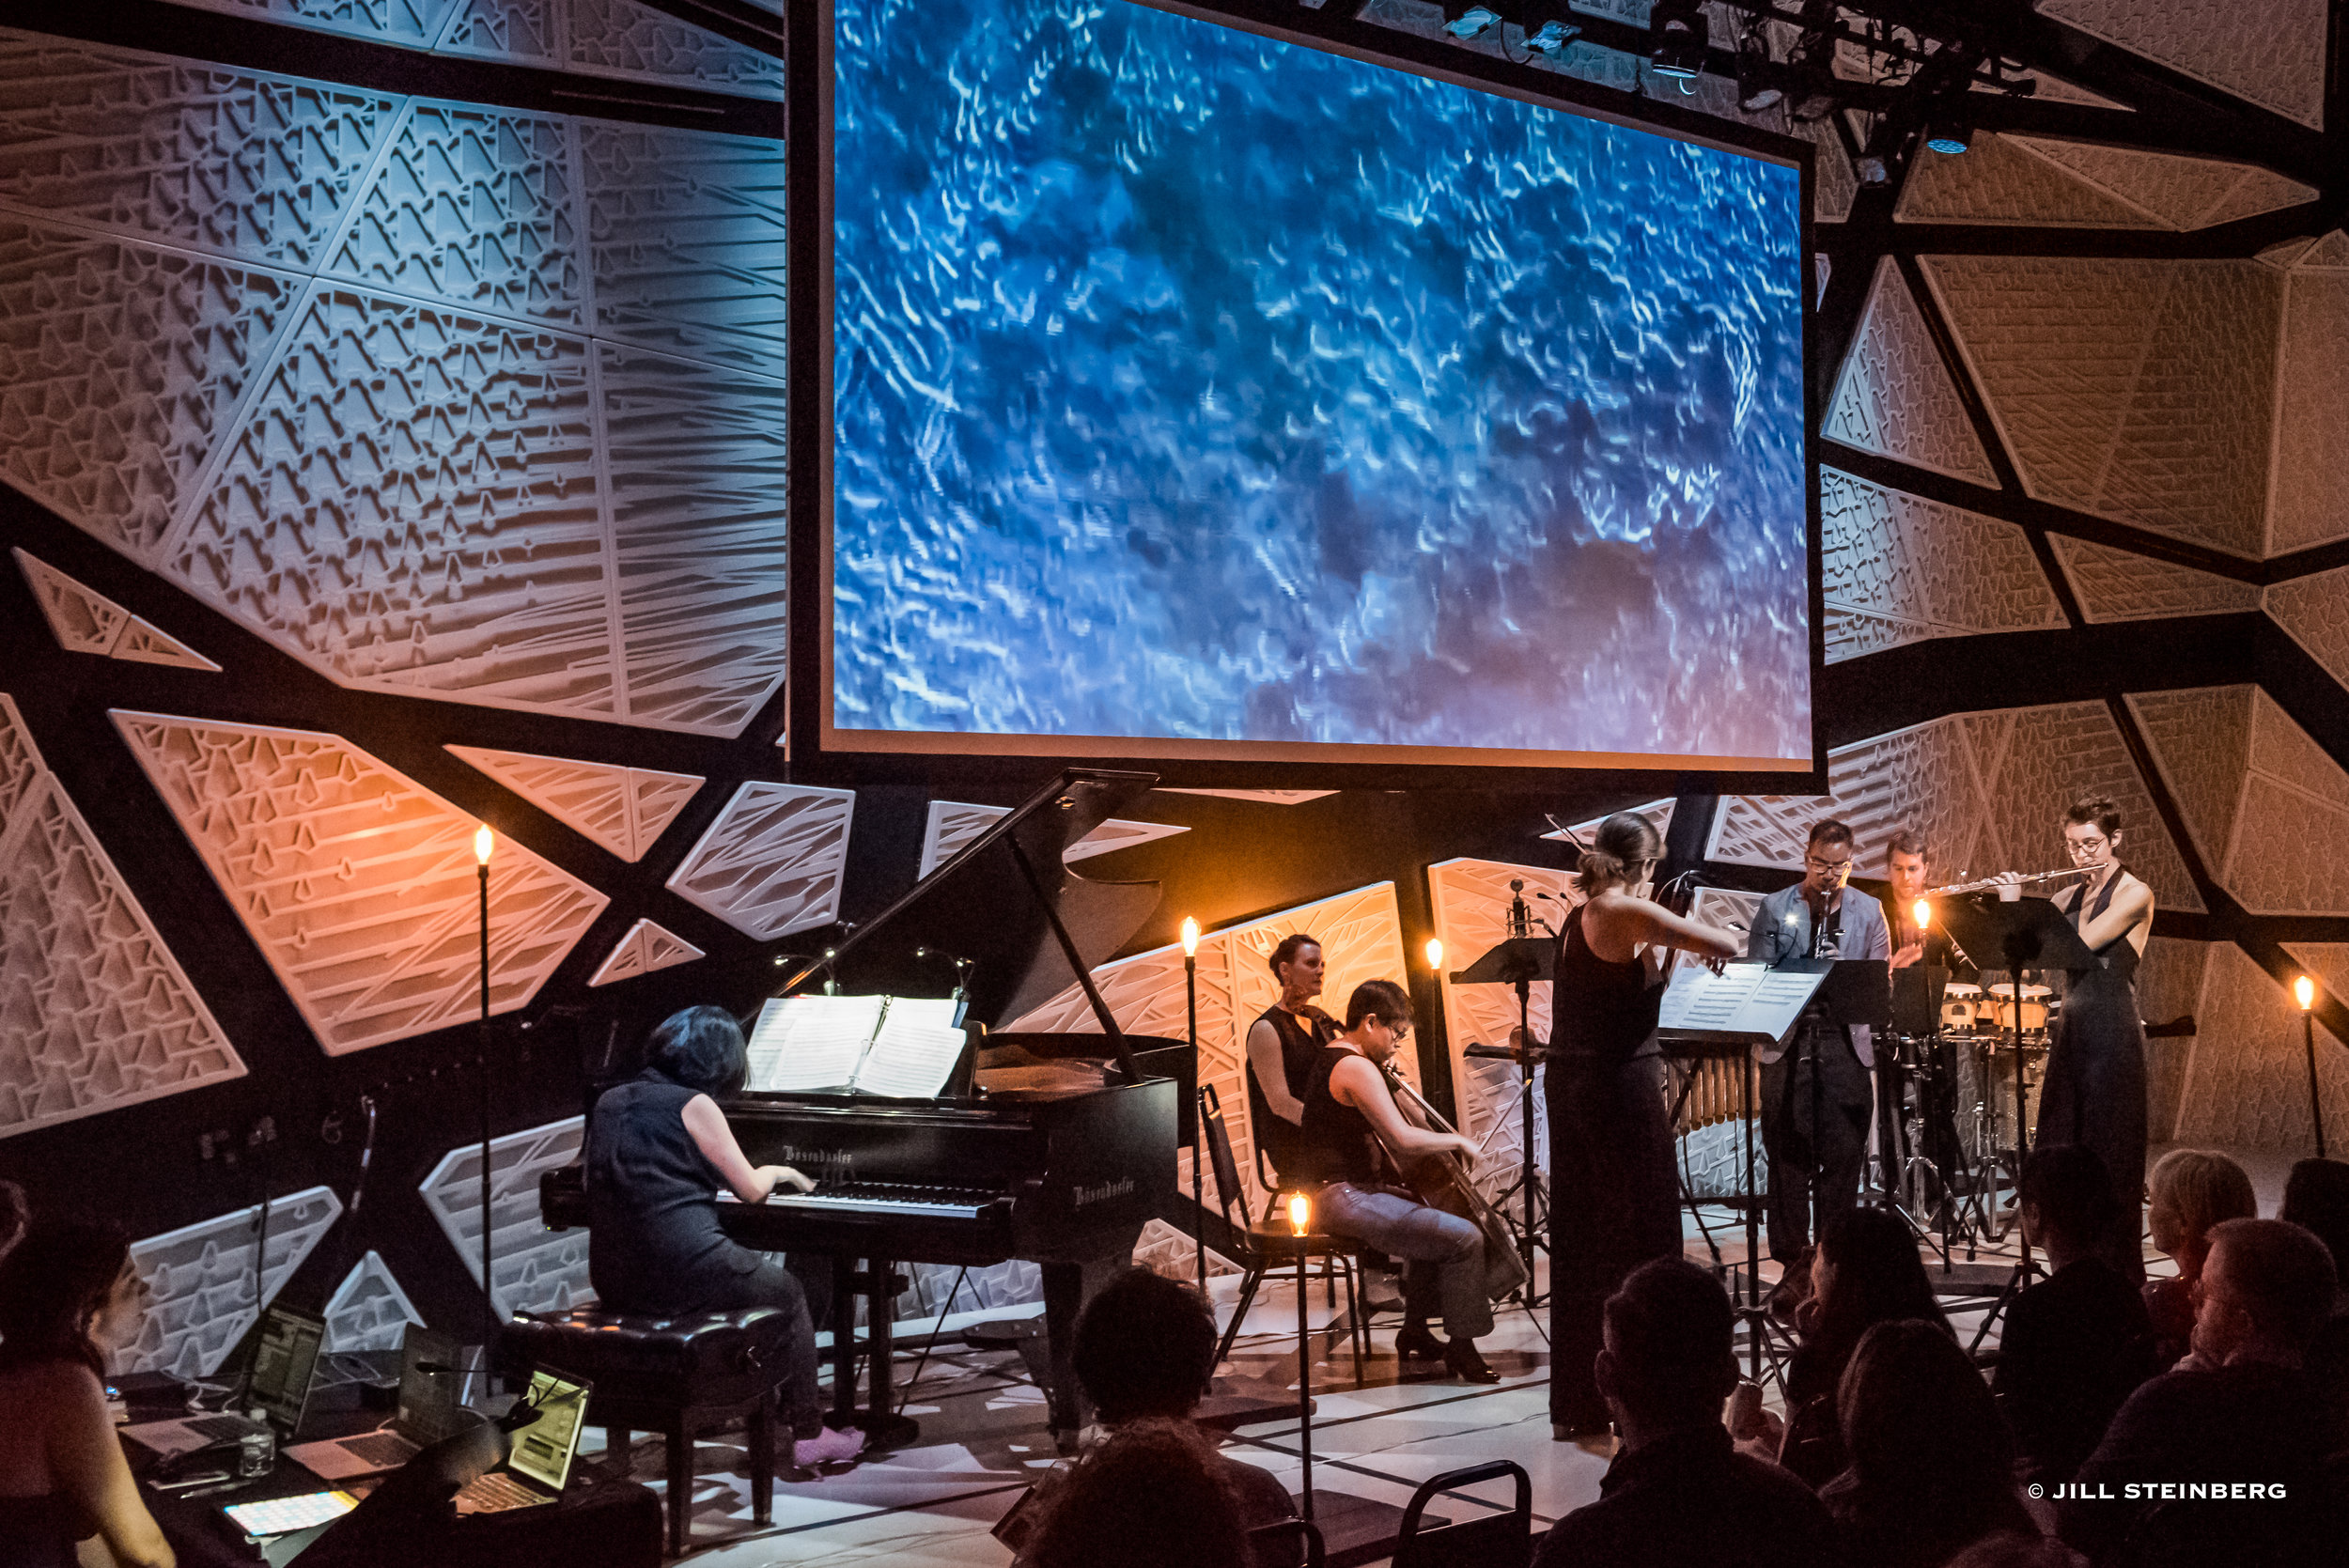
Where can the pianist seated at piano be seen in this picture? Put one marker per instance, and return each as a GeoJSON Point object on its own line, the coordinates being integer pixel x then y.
{"type": "Point", "coordinates": [658, 1151]}
{"type": "Point", "coordinates": [1353, 1151]}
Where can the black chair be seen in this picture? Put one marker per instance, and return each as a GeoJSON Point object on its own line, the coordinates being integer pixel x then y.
{"type": "Point", "coordinates": [1339, 1254]}
{"type": "Point", "coordinates": [1489, 1540]}
{"type": "Point", "coordinates": [1286, 1542]}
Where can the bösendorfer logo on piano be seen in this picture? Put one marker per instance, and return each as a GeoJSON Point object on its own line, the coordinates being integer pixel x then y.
{"type": "Point", "coordinates": [1107, 1189]}
{"type": "Point", "coordinates": [790, 1155]}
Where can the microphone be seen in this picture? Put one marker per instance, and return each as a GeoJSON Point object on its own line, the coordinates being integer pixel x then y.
{"type": "Point", "coordinates": [1520, 916]}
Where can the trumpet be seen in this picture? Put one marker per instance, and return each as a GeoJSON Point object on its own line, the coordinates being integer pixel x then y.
{"type": "Point", "coordinates": [1956, 888]}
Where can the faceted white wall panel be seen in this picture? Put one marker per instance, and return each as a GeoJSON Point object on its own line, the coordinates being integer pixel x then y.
{"type": "Point", "coordinates": [953, 824]}
{"type": "Point", "coordinates": [1658, 812]}
{"type": "Point", "coordinates": [2120, 586]}
{"type": "Point", "coordinates": [2177, 192]}
{"type": "Point", "coordinates": [2000, 180]}
{"type": "Point", "coordinates": [770, 864]}
{"type": "Point", "coordinates": [2168, 985]}
{"type": "Point", "coordinates": [356, 883]}
{"type": "Point", "coordinates": [2200, 739]}
{"type": "Point", "coordinates": [2315, 611]}
{"type": "Point", "coordinates": [538, 1270]}
{"type": "Point", "coordinates": [2308, 493]}
{"type": "Point", "coordinates": [86, 621]}
{"type": "Point", "coordinates": [1988, 791]}
{"type": "Point", "coordinates": [2271, 52]}
{"type": "Point", "coordinates": [2329, 254]}
{"type": "Point", "coordinates": [368, 1311]}
{"type": "Point", "coordinates": [95, 1012]}
{"type": "Point", "coordinates": [1895, 397]}
{"type": "Point", "coordinates": [2248, 1086]}
{"type": "Point", "coordinates": [2137, 390]}
{"type": "Point", "coordinates": [1901, 569]}
{"type": "Point", "coordinates": [608, 37]}
{"type": "Point", "coordinates": [647, 947]}
{"type": "Point", "coordinates": [1262, 797]}
{"type": "Point", "coordinates": [623, 809]}
{"type": "Point", "coordinates": [201, 1280]}
{"type": "Point", "coordinates": [410, 22]}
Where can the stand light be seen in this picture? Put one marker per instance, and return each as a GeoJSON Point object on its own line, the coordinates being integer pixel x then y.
{"type": "Point", "coordinates": [2304, 992]}
{"type": "Point", "coordinates": [1300, 1209]}
{"type": "Point", "coordinates": [1198, 1195]}
{"type": "Point", "coordinates": [484, 842]}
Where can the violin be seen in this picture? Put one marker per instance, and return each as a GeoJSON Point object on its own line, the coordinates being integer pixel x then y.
{"type": "Point", "coordinates": [1441, 1181]}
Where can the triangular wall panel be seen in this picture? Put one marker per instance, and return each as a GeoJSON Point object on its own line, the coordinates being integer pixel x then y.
{"type": "Point", "coordinates": [1921, 569]}
{"type": "Point", "coordinates": [2291, 849]}
{"type": "Point", "coordinates": [2181, 193]}
{"type": "Point", "coordinates": [1895, 395]}
{"type": "Point", "coordinates": [86, 621]}
{"type": "Point", "coordinates": [368, 1311]}
{"type": "Point", "coordinates": [1998, 181]}
{"type": "Point", "coordinates": [771, 863]}
{"type": "Point", "coordinates": [2329, 254]}
{"type": "Point", "coordinates": [2201, 742]}
{"type": "Point", "coordinates": [2271, 53]}
{"type": "Point", "coordinates": [2122, 585]}
{"type": "Point", "coordinates": [356, 883]}
{"type": "Point", "coordinates": [2315, 611]}
{"type": "Point", "coordinates": [623, 809]}
{"type": "Point", "coordinates": [2309, 481]}
{"type": "Point", "coordinates": [200, 1279]}
{"type": "Point", "coordinates": [953, 824]}
{"type": "Point", "coordinates": [2253, 1093]}
{"type": "Point", "coordinates": [538, 1270]}
{"type": "Point", "coordinates": [647, 947]}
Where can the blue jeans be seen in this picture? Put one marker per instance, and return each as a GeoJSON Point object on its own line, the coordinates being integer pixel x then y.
{"type": "Point", "coordinates": [1446, 1253]}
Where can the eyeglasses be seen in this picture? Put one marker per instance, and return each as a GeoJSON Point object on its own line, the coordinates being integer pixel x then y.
{"type": "Point", "coordinates": [1400, 1031]}
{"type": "Point", "coordinates": [1838, 867]}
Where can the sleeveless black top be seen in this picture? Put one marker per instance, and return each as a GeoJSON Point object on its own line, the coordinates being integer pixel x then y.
{"type": "Point", "coordinates": [1598, 1012]}
{"type": "Point", "coordinates": [1275, 1134]}
{"type": "Point", "coordinates": [1335, 1143]}
{"type": "Point", "coordinates": [652, 1202]}
{"type": "Point", "coordinates": [2118, 956]}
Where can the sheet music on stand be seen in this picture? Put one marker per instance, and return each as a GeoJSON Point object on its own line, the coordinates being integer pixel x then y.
{"type": "Point", "coordinates": [1752, 1001]}
{"type": "Point", "coordinates": [903, 1047]}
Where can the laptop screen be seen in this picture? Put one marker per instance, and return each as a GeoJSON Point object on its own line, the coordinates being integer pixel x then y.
{"type": "Point", "coordinates": [283, 1363]}
{"type": "Point", "coordinates": [429, 1375]}
{"type": "Point", "coordinates": [543, 1450]}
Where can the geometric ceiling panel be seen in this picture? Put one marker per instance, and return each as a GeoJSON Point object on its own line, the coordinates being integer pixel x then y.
{"type": "Point", "coordinates": [537, 1269]}
{"type": "Point", "coordinates": [1834, 184]}
{"type": "Point", "coordinates": [412, 23]}
{"type": "Point", "coordinates": [120, 366]}
{"type": "Point", "coordinates": [87, 621]}
{"type": "Point", "coordinates": [2248, 1085]}
{"type": "Point", "coordinates": [1988, 791]}
{"type": "Point", "coordinates": [2291, 849]}
{"type": "Point", "coordinates": [368, 1311]}
{"type": "Point", "coordinates": [771, 864]}
{"type": "Point", "coordinates": [186, 154]}
{"type": "Point", "coordinates": [2309, 500]}
{"type": "Point", "coordinates": [953, 824]}
{"type": "Point", "coordinates": [2169, 982]}
{"type": "Point", "coordinates": [1901, 569]}
{"type": "Point", "coordinates": [200, 1278]}
{"type": "Point", "coordinates": [2271, 53]}
{"type": "Point", "coordinates": [2177, 192]}
{"type": "Point", "coordinates": [647, 946]}
{"type": "Point", "coordinates": [357, 883]}
{"type": "Point", "coordinates": [623, 809]}
{"type": "Point", "coordinates": [1999, 180]}
{"type": "Point", "coordinates": [2327, 964]}
{"type": "Point", "coordinates": [1894, 396]}
{"type": "Point", "coordinates": [2201, 742]}
{"type": "Point", "coordinates": [95, 1012]}
{"type": "Point", "coordinates": [2315, 611]}
{"type": "Point", "coordinates": [2330, 253]}
{"type": "Point", "coordinates": [2122, 585]}
{"type": "Point", "coordinates": [2137, 390]}
{"type": "Point", "coordinates": [608, 37]}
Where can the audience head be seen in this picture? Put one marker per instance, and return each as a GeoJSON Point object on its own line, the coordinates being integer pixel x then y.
{"type": "Point", "coordinates": [1297, 960]}
{"type": "Point", "coordinates": [1668, 1360]}
{"type": "Point", "coordinates": [2011, 1549]}
{"type": "Point", "coordinates": [700, 1049]}
{"type": "Point", "coordinates": [2266, 1288]}
{"type": "Point", "coordinates": [1866, 1271]}
{"type": "Point", "coordinates": [2316, 1197]}
{"type": "Point", "coordinates": [1623, 853]}
{"type": "Point", "coordinates": [2194, 1189]}
{"type": "Point", "coordinates": [1145, 1347]}
{"type": "Point", "coordinates": [1922, 1429]}
{"type": "Point", "coordinates": [2067, 1198]}
{"type": "Point", "coordinates": [1149, 1497]}
{"type": "Point", "coordinates": [67, 1292]}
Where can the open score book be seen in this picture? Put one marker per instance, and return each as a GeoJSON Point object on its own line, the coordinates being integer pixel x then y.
{"type": "Point", "coordinates": [902, 1046]}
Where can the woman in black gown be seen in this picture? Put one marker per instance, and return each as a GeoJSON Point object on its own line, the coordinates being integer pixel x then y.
{"type": "Point", "coordinates": [1613, 1203]}
{"type": "Point", "coordinates": [2094, 1093]}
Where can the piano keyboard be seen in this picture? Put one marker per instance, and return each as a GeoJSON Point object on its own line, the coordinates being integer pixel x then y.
{"type": "Point", "coordinates": [945, 1203]}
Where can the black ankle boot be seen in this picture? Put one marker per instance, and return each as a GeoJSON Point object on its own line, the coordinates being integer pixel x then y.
{"type": "Point", "coordinates": [1460, 1358]}
{"type": "Point", "coordinates": [1413, 1339]}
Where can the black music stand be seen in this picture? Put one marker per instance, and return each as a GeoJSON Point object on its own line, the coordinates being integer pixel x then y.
{"type": "Point", "coordinates": [1520, 961]}
{"type": "Point", "coordinates": [1856, 993]}
{"type": "Point", "coordinates": [2026, 933]}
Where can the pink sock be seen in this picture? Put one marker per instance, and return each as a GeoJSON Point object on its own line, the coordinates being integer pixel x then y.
{"type": "Point", "coordinates": [828, 1446]}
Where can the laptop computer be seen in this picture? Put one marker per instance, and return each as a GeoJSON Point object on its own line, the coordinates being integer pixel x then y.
{"type": "Point", "coordinates": [539, 1465]}
{"type": "Point", "coordinates": [428, 1412]}
{"type": "Point", "coordinates": [285, 1365]}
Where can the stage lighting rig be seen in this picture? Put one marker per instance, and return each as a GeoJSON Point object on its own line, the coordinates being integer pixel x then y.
{"type": "Point", "coordinates": [1550, 39]}
{"type": "Point", "coordinates": [1759, 83]}
{"type": "Point", "coordinates": [1470, 22]}
{"type": "Point", "coordinates": [1678, 38]}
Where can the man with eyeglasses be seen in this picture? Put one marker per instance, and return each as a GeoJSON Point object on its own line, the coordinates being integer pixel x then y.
{"type": "Point", "coordinates": [1817, 1092]}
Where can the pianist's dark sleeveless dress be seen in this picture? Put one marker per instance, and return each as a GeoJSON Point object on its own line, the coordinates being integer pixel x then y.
{"type": "Point", "coordinates": [1613, 1199]}
{"type": "Point", "coordinates": [2094, 1094]}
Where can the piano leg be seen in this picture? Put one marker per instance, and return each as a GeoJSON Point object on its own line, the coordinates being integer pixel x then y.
{"type": "Point", "coordinates": [1067, 1286]}
{"type": "Point", "coordinates": [843, 1341]}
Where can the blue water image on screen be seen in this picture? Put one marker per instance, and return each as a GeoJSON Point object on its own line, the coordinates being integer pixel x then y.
{"type": "Point", "coordinates": [1195, 386]}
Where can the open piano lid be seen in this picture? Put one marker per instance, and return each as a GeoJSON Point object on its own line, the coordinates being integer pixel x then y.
{"type": "Point", "coordinates": [1008, 902]}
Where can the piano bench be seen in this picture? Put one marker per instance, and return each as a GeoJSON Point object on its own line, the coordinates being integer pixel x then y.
{"type": "Point", "coordinates": [679, 1376]}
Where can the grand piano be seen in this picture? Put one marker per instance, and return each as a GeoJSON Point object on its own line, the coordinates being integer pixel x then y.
{"type": "Point", "coordinates": [1052, 1148]}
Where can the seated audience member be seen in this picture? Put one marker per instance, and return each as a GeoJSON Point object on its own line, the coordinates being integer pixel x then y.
{"type": "Point", "coordinates": [68, 1293]}
{"type": "Point", "coordinates": [2243, 1412]}
{"type": "Point", "coordinates": [1865, 1271]}
{"type": "Point", "coordinates": [1679, 1494]}
{"type": "Point", "coordinates": [2077, 1343]}
{"type": "Point", "coordinates": [1932, 1469]}
{"type": "Point", "coordinates": [2008, 1549]}
{"type": "Point", "coordinates": [1151, 1496]}
{"type": "Point", "coordinates": [658, 1151]}
{"type": "Point", "coordinates": [2192, 1190]}
{"type": "Point", "coordinates": [2316, 1198]}
{"type": "Point", "coordinates": [1144, 1351]}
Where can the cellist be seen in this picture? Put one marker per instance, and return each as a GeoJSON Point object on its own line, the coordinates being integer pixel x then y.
{"type": "Point", "coordinates": [1351, 1127]}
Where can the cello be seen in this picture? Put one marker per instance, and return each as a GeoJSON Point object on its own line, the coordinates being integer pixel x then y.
{"type": "Point", "coordinates": [1441, 1181]}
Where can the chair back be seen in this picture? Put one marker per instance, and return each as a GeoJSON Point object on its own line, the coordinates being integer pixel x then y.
{"type": "Point", "coordinates": [1286, 1543]}
{"type": "Point", "coordinates": [1491, 1541]}
{"type": "Point", "coordinates": [1219, 1140]}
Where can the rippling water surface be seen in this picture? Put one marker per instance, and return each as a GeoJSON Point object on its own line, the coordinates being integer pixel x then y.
{"type": "Point", "coordinates": [1194, 385]}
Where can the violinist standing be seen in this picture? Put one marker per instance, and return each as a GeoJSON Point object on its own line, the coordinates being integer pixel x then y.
{"type": "Point", "coordinates": [1613, 1202]}
{"type": "Point", "coordinates": [1352, 1136]}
